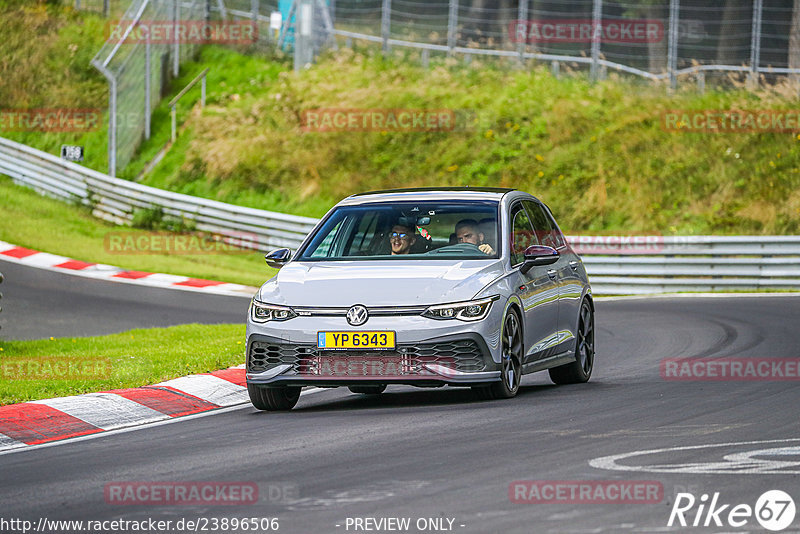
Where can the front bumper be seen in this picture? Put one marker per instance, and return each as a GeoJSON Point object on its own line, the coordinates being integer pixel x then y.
{"type": "Point", "coordinates": [461, 359]}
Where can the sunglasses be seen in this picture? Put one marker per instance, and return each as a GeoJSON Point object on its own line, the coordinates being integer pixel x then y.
{"type": "Point", "coordinates": [397, 234]}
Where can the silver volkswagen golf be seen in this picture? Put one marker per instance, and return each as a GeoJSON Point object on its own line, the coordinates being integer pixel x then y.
{"type": "Point", "coordinates": [428, 287]}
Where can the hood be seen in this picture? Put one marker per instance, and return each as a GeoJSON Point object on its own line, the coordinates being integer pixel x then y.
{"type": "Point", "coordinates": [378, 283]}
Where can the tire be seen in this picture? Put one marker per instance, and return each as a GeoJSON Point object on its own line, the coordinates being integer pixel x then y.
{"type": "Point", "coordinates": [511, 360]}
{"type": "Point", "coordinates": [273, 399]}
{"type": "Point", "coordinates": [368, 390]}
{"type": "Point", "coordinates": [580, 370]}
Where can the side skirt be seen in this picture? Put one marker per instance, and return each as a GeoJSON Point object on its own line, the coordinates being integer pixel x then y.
{"type": "Point", "coordinates": [549, 362]}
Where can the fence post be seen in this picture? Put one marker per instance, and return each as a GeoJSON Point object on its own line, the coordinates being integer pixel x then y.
{"type": "Point", "coordinates": [452, 23]}
{"type": "Point", "coordinates": [77, 4]}
{"type": "Point", "coordinates": [147, 88]}
{"type": "Point", "coordinates": [112, 126]}
{"type": "Point", "coordinates": [207, 11]}
{"type": "Point", "coordinates": [386, 21]}
{"type": "Point", "coordinates": [303, 34]}
{"type": "Point", "coordinates": [755, 43]}
{"type": "Point", "coordinates": [597, 14]}
{"type": "Point", "coordinates": [174, 127]}
{"type": "Point", "coordinates": [255, 8]}
{"type": "Point", "coordinates": [672, 48]}
{"type": "Point", "coordinates": [106, 8]}
{"type": "Point", "coordinates": [522, 18]}
{"type": "Point", "coordinates": [176, 63]}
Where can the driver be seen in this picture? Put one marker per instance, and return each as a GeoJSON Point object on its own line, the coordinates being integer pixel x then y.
{"type": "Point", "coordinates": [402, 238]}
{"type": "Point", "coordinates": [468, 231]}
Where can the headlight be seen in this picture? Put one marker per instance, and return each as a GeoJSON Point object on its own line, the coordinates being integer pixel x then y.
{"type": "Point", "coordinates": [473, 310]}
{"type": "Point", "coordinates": [262, 313]}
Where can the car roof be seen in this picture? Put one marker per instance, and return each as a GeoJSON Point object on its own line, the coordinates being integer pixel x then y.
{"type": "Point", "coordinates": [428, 193]}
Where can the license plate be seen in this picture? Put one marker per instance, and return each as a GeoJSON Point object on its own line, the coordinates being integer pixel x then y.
{"type": "Point", "coordinates": [355, 340]}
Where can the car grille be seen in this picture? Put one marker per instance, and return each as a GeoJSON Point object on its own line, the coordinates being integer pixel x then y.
{"type": "Point", "coordinates": [308, 360]}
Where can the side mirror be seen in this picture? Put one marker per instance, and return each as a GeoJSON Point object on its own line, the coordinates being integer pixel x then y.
{"type": "Point", "coordinates": [536, 255]}
{"type": "Point", "coordinates": [277, 258]}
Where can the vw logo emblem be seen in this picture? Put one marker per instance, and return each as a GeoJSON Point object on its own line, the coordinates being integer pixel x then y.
{"type": "Point", "coordinates": [357, 315]}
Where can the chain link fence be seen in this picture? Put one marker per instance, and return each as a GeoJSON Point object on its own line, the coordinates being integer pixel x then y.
{"type": "Point", "coordinates": [138, 60]}
{"type": "Point", "coordinates": [656, 39]}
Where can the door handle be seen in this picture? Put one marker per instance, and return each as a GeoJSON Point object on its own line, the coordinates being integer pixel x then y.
{"type": "Point", "coordinates": [552, 274]}
{"type": "Point", "coordinates": [574, 265]}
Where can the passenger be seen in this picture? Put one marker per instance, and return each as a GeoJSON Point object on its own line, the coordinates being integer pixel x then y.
{"type": "Point", "coordinates": [402, 239]}
{"type": "Point", "coordinates": [488, 227]}
{"type": "Point", "coordinates": [467, 231]}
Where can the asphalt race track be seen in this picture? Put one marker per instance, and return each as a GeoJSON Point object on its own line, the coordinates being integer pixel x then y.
{"type": "Point", "coordinates": [38, 303]}
{"type": "Point", "coordinates": [439, 453]}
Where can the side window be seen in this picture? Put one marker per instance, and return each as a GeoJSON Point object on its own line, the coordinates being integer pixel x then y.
{"type": "Point", "coordinates": [365, 234]}
{"type": "Point", "coordinates": [543, 225]}
{"type": "Point", "coordinates": [558, 237]}
{"type": "Point", "coordinates": [324, 248]}
{"type": "Point", "coordinates": [522, 235]}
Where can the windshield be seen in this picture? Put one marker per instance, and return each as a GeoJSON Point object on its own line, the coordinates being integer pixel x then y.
{"type": "Point", "coordinates": [419, 230]}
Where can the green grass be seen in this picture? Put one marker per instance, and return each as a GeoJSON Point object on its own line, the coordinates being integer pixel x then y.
{"type": "Point", "coordinates": [41, 223]}
{"type": "Point", "coordinates": [129, 359]}
{"type": "Point", "coordinates": [596, 153]}
{"type": "Point", "coordinates": [46, 51]}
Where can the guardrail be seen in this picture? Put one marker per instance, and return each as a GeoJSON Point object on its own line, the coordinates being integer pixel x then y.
{"type": "Point", "coordinates": [655, 264]}
{"type": "Point", "coordinates": [115, 200]}
{"type": "Point", "coordinates": [616, 264]}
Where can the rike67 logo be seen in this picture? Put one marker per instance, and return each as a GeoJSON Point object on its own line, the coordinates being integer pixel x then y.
{"type": "Point", "coordinates": [774, 510]}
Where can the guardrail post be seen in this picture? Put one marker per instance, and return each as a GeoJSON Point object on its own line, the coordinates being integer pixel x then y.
{"type": "Point", "coordinates": [522, 17]}
{"type": "Point", "coordinates": [597, 21]}
{"type": "Point", "coordinates": [203, 92]}
{"type": "Point", "coordinates": [672, 45]}
{"type": "Point", "coordinates": [555, 68]}
{"type": "Point", "coordinates": [701, 82]}
{"type": "Point", "coordinates": [386, 22]}
{"type": "Point", "coordinates": [755, 43]}
{"type": "Point", "coordinates": [425, 57]}
{"type": "Point", "coordinates": [106, 8]}
{"type": "Point", "coordinates": [452, 25]}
